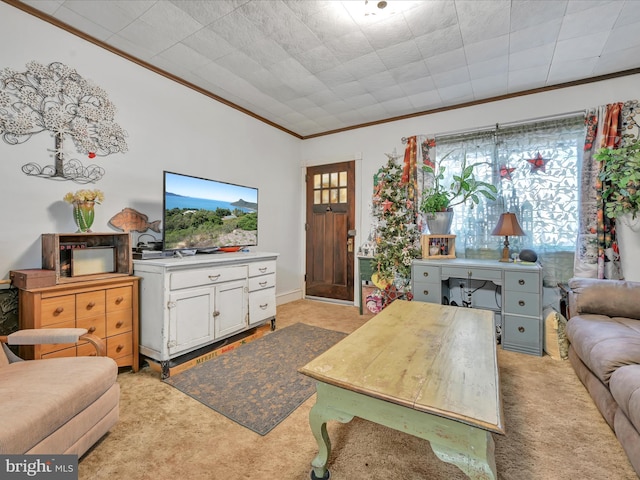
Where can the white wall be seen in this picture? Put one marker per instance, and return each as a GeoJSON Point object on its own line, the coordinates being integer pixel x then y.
{"type": "Point", "coordinates": [170, 127]}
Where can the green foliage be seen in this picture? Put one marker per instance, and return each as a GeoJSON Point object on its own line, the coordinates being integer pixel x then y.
{"type": "Point", "coordinates": [620, 176]}
{"type": "Point", "coordinates": [464, 186]}
{"type": "Point", "coordinates": [248, 222]}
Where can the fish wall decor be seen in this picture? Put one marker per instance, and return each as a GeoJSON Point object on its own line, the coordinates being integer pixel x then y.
{"type": "Point", "coordinates": [130, 220]}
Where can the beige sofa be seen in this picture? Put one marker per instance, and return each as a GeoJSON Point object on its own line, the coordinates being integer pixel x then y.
{"type": "Point", "coordinates": [604, 335]}
{"type": "Point", "coordinates": [57, 405]}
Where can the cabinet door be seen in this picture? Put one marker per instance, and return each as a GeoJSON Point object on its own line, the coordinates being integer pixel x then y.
{"type": "Point", "coordinates": [191, 320]}
{"type": "Point", "coordinates": [231, 308]}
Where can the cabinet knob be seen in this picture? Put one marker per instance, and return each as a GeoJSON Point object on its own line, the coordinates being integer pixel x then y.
{"type": "Point", "coordinates": [91, 329]}
{"type": "Point", "coordinates": [521, 329]}
{"type": "Point", "coordinates": [521, 303]}
{"type": "Point", "coordinates": [426, 274]}
{"type": "Point", "coordinates": [119, 348]}
{"type": "Point", "coordinates": [216, 313]}
{"type": "Point", "coordinates": [425, 292]}
{"type": "Point", "coordinates": [213, 278]}
{"type": "Point", "coordinates": [119, 324]}
{"type": "Point", "coordinates": [521, 281]}
{"type": "Point", "coordinates": [90, 305]}
{"type": "Point", "coordinates": [58, 311]}
{"type": "Point", "coordinates": [119, 300]}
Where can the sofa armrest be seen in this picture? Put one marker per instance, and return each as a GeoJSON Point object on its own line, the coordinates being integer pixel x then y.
{"type": "Point", "coordinates": [613, 298]}
{"type": "Point", "coordinates": [43, 336]}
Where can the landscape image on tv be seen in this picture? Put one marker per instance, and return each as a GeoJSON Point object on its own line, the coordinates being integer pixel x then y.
{"type": "Point", "coordinates": [207, 214]}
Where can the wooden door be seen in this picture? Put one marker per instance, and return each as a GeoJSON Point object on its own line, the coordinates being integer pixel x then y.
{"type": "Point", "coordinates": [330, 228]}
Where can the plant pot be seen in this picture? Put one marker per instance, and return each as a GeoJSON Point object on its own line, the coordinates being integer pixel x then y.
{"type": "Point", "coordinates": [439, 223]}
{"type": "Point", "coordinates": [628, 233]}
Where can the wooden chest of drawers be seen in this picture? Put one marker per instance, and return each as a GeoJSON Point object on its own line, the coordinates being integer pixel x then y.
{"type": "Point", "coordinates": [107, 308]}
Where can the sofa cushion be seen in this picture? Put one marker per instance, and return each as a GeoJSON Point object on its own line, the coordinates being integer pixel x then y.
{"type": "Point", "coordinates": [39, 396]}
{"type": "Point", "coordinates": [614, 298]}
{"type": "Point", "coordinates": [625, 388]}
{"type": "Point", "coordinates": [604, 343]}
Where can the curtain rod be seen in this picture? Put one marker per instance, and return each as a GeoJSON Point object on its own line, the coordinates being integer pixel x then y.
{"type": "Point", "coordinates": [495, 127]}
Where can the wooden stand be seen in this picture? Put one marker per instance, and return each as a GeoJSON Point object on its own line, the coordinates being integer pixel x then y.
{"type": "Point", "coordinates": [438, 246]}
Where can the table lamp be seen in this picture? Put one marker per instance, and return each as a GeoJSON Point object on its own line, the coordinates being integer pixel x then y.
{"type": "Point", "coordinates": [507, 225]}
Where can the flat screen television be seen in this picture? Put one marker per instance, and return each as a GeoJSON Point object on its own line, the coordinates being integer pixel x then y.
{"type": "Point", "coordinates": [208, 215]}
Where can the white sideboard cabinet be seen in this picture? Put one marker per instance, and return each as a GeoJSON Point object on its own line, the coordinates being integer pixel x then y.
{"type": "Point", "coordinates": [191, 302]}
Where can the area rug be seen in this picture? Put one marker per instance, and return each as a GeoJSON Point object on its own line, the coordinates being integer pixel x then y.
{"type": "Point", "coordinates": [258, 385]}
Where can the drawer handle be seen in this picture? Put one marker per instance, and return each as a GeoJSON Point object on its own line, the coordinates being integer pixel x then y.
{"type": "Point", "coordinates": [91, 329]}
{"type": "Point", "coordinates": [262, 284]}
{"type": "Point", "coordinates": [58, 311]}
{"type": "Point", "coordinates": [119, 348]}
{"type": "Point", "coordinates": [264, 306]}
{"type": "Point", "coordinates": [521, 303]}
{"type": "Point", "coordinates": [425, 292]}
{"type": "Point", "coordinates": [213, 278]}
{"type": "Point", "coordinates": [90, 305]}
{"type": "Point", "coordinates": [119, 300]}
{"type": "Point", "coordinates": [262, 269]}
{"type": "Point", "coordinates": [119, 324]}
{"type": "Point", "coordinates": [469, 273]}
{"type": "Point", "coordinates": [216, 313]}
{"type": "Point", "coordinates": [426, 274]}
{"type": "Point", "coordinates": [521, 281]}
{"type": "Point", "coordinates": [521, 329]}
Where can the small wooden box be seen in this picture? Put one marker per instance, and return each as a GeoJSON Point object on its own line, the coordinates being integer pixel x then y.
{"type": "Point", "coordinates": [32, 278]}
{"type": "Point", "coordinates": [438, 246]}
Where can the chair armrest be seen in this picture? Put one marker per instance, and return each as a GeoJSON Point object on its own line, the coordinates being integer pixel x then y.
{"type": "Point", "coordinates": [44, 336]}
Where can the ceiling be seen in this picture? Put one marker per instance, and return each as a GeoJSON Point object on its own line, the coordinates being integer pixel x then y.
{"type": "Point", "coordinates": [312, 67]}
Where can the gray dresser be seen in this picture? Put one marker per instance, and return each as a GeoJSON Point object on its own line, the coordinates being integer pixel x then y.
{"type": "Point", "coordinates": [512, 290]}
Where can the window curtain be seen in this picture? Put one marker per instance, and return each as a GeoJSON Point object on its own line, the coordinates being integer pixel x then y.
{"type": "Point", "coordinates": [535, 169]}
{"type": "Point", "coordinates": [611, 126]}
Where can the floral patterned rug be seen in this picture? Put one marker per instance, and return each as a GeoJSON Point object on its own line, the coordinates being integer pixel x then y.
{"type": "Point", "coordinates": [258, 385]}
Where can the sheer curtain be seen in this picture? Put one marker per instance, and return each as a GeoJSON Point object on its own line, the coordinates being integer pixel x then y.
{"type": "Point", "coordinates": [535, 167]}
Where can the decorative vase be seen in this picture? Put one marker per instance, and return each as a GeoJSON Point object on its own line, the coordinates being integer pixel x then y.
{"type": "Point", "coordinates": [439, 223]}
{"type": "Point", "coordinates": [83, 215]}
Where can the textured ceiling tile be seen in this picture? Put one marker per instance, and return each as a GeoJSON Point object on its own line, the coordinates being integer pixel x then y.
{"type": "Point", "coordinates": [487, 49]}
{"type": "Point", "coordinates": [400, 54]}
{"type": "Point", "coordinates": [317, 59]}
{"type": "Point", "coordinates": [330, 22]}
{"type": "Point", "coordinates": [579, 48]}
{"type": "Point", "coordinates": [398, 106]}
{"type": "Point", "coordinates": [446, 61]}
{"type": "Point", "coordinates": [571, 70]}
{"type": "Point", "coordinates": [482, 19]}
{"type": "Point", "coordinates": [185, 57]}
{"type": "Point", "coordinates": [85, 24]}
{"type": "Point", "coordinates": [362, 100]}
{"type": "Point", "coordinates": [623, 38]}
{"type": "Point", "coordinates": [103, 13]}
{"type": "Point", "coordinates": [209, 43]}
{"type": "Point", "coordinates": [431, 16]}
{"type": "Point", "coordinates": [266, 52]}
{"type": "Point", "coordinates": [133, 47]}
{"type": "Point", "coordinates": [492, 86]}
{"type": "Point", "coordinates": [390, 31]}
{"type": "Point", "coordinates": [456, 94]}
{"type": "Point", "coordinates": [532, 58]}
{"type": "Point", "coordinates": [419, 85]}
{"type": "Point", "coordinates": [363, 66]}
{"type": "Point", "coordinates": [47, 6]}
{"type": "Point", "coordinates": [335, 76]}
{"type": "Point", "coordinates": [451, 77]}
{"type": "Point", "coordinates": [349, 90]}
{"type": "Point", "coordinates": [390, 92]}
{"type": "Point", "coordinates": [175, 23]}
{"type": "Point", "coordinates": [349, 46]}
{"type": "Point", "coordinates": [599, 18]}
{"type": "Point", "coordinates": [531, 13]}
{"type": "Point", "coordinates": [488, 68]}
{"type": "Point", "coordinates": [614, 61]}
{"type": "Point", "coordinates": [440, 41]}
{"type": "Point", "coordinates": [544, 33]}
{"type": "Point", "coordinates": [378, 81]}
{"type": "Point", "coordinates": [426, 100]}
{"type": "Point", "coordinates": [409, 72]}
{"type": "Point", "coordinates": [526, 79]}
{"type": "Point", "coordinates": [239, 63]}
{"type": "Point", "coordinates": [236, 29]}
{"type": "Point", "coordinates": [630, 14]}
{"type": "Point", "coordinates": [205, 11]}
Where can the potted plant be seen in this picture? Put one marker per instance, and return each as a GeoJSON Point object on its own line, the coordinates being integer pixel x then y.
{"type": "Point", "coordinates": [620, 177]}
{"type": "Point", "coordinates": [439, 199]}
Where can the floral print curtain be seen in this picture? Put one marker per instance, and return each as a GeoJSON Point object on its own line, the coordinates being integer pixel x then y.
{"type": "Point", "coordinates": [611, 126]}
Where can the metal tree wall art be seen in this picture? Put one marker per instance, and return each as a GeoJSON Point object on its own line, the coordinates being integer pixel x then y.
{"type": "Point", "coordinates": [57, 99]}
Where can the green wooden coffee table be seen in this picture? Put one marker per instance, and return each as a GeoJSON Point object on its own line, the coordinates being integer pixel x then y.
{"type": "Point", "coordinates": [425, 369]}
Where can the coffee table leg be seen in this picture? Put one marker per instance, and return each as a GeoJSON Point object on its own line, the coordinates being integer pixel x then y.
{"type": "Point", "coordinates": [320, 413]}
{"type": "Point", "coordinates": [477, 461]}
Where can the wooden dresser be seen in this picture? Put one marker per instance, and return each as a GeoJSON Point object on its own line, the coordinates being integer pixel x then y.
{"type": "Point", "coordinates": [106, 307]}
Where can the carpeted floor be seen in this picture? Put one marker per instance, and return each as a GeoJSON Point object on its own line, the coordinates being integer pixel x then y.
{"type": "Point", "coordinates": [554, 432]}
{"type": "Point", "coordinates": [258, 384]}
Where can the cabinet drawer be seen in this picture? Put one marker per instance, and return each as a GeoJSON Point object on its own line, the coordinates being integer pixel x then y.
{"type": "Point", "coordinates": [522, 282]}
{"type": "Point", "coordinates": [427, 292]}
{"type": "Point", "coordinates": [472, 272]}
{"type": "Point", "coordinates": [94, 325]}
{"type": "Point", "coordinates": [86, 349]}
{"type": "Point", "coordinates": [262, 268]}
{"type": "Point", "coordinates": [120, 345]}
{"type": "Point", "coordinates": [53, 347]}
{"type": "Point", "coordinates": [207, 276]}
{"type": "Point", "coordinates": [522, 334]}
{"type": "Point", "coordinates": [119, 322]}
{"type": "Point", "coordinates": [119, 299]}
{"type": "Point", "coordinates": [69, 351]}
{"type": "Point", "coordinates": [429, 273]}
{"type": "Point", "coordinates": [522, 303]}
{"type": "Point", "coordinates": [262, 305]}
{"type": "Point", "coordinates": [57, 310]}
{"type": "Point", "coordinates": [90, 304]}
{"type": "Point", "coordinates": [265, 281]}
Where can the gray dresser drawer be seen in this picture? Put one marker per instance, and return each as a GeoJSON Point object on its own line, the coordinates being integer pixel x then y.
{"type": "Point", "coordinates": [426, 273]}
{"type": "Point", "coordinates": [522, 334]}
{"type": "Point", "coordinates": [494, 275]}
{"type": "Point", "coordinates": [522, 282]}
{"type": "Point", "coordinates": [427, 292]}
{"type": "Point", "coordinates": [522, 303]}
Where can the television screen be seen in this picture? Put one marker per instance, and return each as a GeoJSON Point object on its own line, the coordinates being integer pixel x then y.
{"type": "Point", "coordinates": [207, 215]}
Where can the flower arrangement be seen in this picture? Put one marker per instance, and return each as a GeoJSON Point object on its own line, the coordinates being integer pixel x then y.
{"type": "Point", "coordinates": [81, 196]}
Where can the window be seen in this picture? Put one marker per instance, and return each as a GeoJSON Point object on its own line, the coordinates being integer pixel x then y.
{"type": "Point", "coordinates": [535, 168]}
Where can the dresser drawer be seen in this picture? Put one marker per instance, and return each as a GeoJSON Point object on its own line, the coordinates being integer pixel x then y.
{"type": "Point", "coordinates": [119, 299]}
{"type": "Point", "coordinates": [53, 347]}
{"type": "Point", "coordinates": [86, 349]}
{"type": "Point", "coordinates": [262, 305]}
{"type": "Point", "coordinates": [429, 273]}
{"type": "Point", "coordinates": [522, 303]}
{"type": "Point", "coordinates": [58, 310]}
{"type": "Point", "coordinates": [522, 282]}
{"type": "Point", "coordinates": [64, 350]}
{"type": "Point", "coordinates": [474, 273]}
{"type": "Point", "coordinates": [522, 334]}
{"type": "Point", "coordinates": [90, 304]}
{"type": "Point", "coordinates": [206, 276]}
{"type": "Point", "coordinates": [119, 322]}
{"type": "Point", "coordinates": [427, 292]}
{"type": "Point", "coordinates": [120, 345]}
{"type": "Point", "coordinates": [94, 325]}
{"type": "Point", "coordinates": [262, 268]}
{"type": "Point", "coordinates": [258, 283]}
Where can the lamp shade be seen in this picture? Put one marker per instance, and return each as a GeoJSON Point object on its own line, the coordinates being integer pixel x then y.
{"type": "Point", "coordinates": [508, 226]}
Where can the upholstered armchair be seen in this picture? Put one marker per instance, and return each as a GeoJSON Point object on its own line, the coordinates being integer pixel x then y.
{"type": "Point", "coordinates": [57, 405]}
